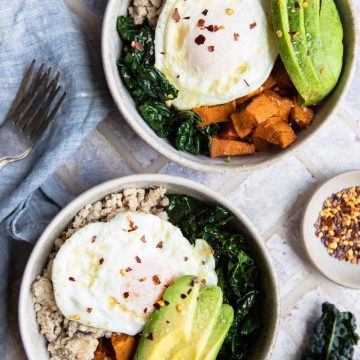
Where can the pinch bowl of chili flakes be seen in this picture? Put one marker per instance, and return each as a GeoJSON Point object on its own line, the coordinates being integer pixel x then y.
{"type": "Point", "coordinates": [331, 229]}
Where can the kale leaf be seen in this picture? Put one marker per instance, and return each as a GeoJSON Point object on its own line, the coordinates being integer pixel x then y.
{"type": "Point", "coordinates": [334, 336]}
{"type": "Point", "coordinates": [238, 275]}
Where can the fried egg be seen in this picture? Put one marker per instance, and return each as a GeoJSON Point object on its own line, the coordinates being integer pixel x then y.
{"type": "Point", "coordinates": [214, 51]}
{"type": "Point", "coordinates": [110, 275]}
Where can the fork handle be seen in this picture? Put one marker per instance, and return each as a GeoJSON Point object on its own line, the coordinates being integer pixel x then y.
{"type": "Point", "coordinates": [7, 160]}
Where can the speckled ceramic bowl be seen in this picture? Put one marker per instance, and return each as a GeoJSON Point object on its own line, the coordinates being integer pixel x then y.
{"type": "Point", "coordinates": [34, 343]}
{"type": "Point", "coordinates": [111, 46]}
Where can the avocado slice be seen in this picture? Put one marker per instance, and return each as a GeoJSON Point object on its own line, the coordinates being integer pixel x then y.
{"type": "Point", "coordinates": [312, 60]}
{"type": "Point", "coordinates": [221, 328]}
{"type": "Point", "coordinates": [172, 323]}
{"type": "Point", "coordinates": [206, 316]}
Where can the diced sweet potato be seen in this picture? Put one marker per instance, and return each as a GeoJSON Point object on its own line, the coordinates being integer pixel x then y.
{"type": "Point", "coordinates": [225, 147]}
{"type": "Point", "coordinates": [268, 104]}
{"type": "Point", "coordinates": [260, 144]}
{"type": "Point", "coordinates": [215, 114]}
{"type": "Point", "coordinates": [281, 76]}
{"type": "Point", "coordinates": [104, 351]}
{"type": "Point", "coordinates": [276, 131]}
{"type": "Point", "coordinates": [301, 115]}
{"type": "Point", "coordinates": [124, 346]}
{"type": "Point", "coordinates": [228, 131]}
{"type": "Point", "coordinates": [267, 85]}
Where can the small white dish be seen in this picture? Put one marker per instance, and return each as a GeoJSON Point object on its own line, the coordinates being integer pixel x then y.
{"type": "Point", "coordinates": [341, 272]}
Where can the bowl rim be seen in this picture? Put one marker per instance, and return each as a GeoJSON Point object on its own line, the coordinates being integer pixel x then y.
{"type": "Point", "coordinates": [120, 183]}
{"type": "Point", "coordinates": [306, 215]}
{"type": "Point", "coordinates": [177, 155]}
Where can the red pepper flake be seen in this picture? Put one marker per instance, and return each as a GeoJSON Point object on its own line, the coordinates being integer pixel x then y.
{"type": "Point", "coordinates": [126, 295]}
{"type": "Point", "coordinates": [210, 28]}
{"type": "Point", "coordinates": [205, 12]}
{"type": "Point", "coordinates": [143, 239]}
{"type": "Point", "coordinates": [101, 261]}
{"type": "Point", "coordinates": [247, 84]}
{"type": "Point", "coordinates": [252, 25]}
{"type": "Point", "coordinates": [186, 258]}
{"type": "Point", "coordinates": [236, 36]}
{"type": "Point", "coordinates": [201, 22]}
{"type": "Point", "coordinates": [138, 260]}
{"type": "Point", "coordinates": [150, 337]}
{"type": "Point", "coordinates": [143, 279]}
{"type": "Point", "coordinates": [93, 239]}
{"type": "Point", "coordinates": [128, 269]}
{"type": "Point", "coordinates": [136, 45]}
{"type": "Point", "coordinates": [176, 15]}
{"type": "Point", "coordinates": [186, 17]}
{"type": "Point", "coordinates": [145, 310]}
{"type": "Point", "coordinates": [160, 245]}
{"type": "Point", "coordinates": [89, 310]}
{"type": "Point", "coordinates": [71, 279]}
{"type": "Point", "coordinates": [211, 48]}
{"type": "Point", "coordinates": [200, 39]}
{"type": "Point", "coordinates": [133, 229]}
{"type": "Point", "coordinates": [156, 280]}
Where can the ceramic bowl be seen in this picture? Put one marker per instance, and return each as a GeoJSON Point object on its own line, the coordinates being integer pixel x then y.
{"type": "Point", "coordinates": [111, 46]}
{"type": "Point", "coordinates": [340, 272]}
{"type": "Point", "coordinates": [34, 343]}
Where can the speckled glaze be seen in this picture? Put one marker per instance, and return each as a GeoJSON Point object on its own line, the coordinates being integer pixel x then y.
{"type": "Point", "coordinates": [340, 272]}
{"type": "Point", "coordinates": [34, 343]}
{"type": "Point", "coordinates": [111, 46]}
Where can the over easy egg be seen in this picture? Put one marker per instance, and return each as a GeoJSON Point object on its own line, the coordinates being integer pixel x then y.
{"type": "Point", "coordinates": [110, 275]}
{"type": "Point", "coordinates": [214, 51]}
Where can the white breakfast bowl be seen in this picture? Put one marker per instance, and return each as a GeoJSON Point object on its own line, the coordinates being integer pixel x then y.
{"type": "Point", "coordinates": [111, 49]}
{"type": "Point", "coordinates": [34, 343]}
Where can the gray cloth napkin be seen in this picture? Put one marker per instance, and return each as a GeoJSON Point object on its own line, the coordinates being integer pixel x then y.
{"type": "Point", "coordinates": [29, 194]}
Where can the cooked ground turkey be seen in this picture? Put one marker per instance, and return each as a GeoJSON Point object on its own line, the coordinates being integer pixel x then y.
{"type": "Point", "coordinates": [146, 9]}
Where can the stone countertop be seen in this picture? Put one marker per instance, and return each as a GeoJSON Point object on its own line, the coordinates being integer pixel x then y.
{"type": "Point", "coordinates": [273, 199]}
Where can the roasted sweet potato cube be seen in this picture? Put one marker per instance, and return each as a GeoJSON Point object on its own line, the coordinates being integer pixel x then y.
{"type": "Point", "coordinates": [104, 351]}
{"type": "Point", "coordinates": [301, 115]}
{"type": "Point", "coordinates": [124, 346]}
{"type": "Point", "coordinates": [281, 76]}
{"type": "Point", "coordinates": [276, 131]}
{"type": "Point", "coordinates": [225, 147]}
{"type": "Point", "coordinates": [260, 144]}
{"type": "Point", "coordinates": [268, 84]}
{"type": "Point", "coordinates": [268, 104]}
{"type": "Point", "coordinates": [228, 131]}
{"type": "Point", "coordinates": [215, 114]}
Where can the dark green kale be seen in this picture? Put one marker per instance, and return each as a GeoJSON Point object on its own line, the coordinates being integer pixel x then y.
{"type": "Point", "coordinates": [150, 90]}
{"type": "Point", "coordinates": [334, 336]}
{"type": "Point", "coordinates": [238, 275]}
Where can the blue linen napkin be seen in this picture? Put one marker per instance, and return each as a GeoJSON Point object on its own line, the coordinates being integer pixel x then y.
{"type": "Point", "coordinates": [29, 196]}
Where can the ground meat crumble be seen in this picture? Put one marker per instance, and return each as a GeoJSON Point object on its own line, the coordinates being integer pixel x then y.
{"type": "Point", "coordinates": [146, 9]}
{"type": "Point", "coordinates": [67, 339]}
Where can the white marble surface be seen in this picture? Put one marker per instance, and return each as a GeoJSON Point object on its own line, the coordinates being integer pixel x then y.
{"type": "Point", "coordinates": [273, 198]}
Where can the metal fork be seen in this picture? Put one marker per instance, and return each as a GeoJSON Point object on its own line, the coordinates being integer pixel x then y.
{"type": "Point", "coordinates": [30, 114]}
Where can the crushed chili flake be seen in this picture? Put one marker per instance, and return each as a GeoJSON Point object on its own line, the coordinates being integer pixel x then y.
{"type": "Point", "coordinates": [186, 17]}
{"type": "Point", "coordinates": [89, 310]}
{"type": "Point", "coordinates": [150, 337]}
{"type": "Point", "coordinates": [133, 229]}
{"type": "Point", "coordinates": [252, 25]}
{"type": "Point", "coordinates": [126, 295]}
{"type": "Point", "coordinates": [186, 258]}
{"type": "Point", "coordinates": [93, 238]}
{"type": "Point", "coordinates": [71, 279]}
{"type": "Point", "coordinates": [201, 22]}
{"type": "Point", "coordinates": [136, 45]}
{"type": "Point", "coordinates": [138, 260]}
{"type": "Point", "coordinates": [143, 239]}
{"type": "Point", "coordinates": [205, 12]}
{"type": "Point", "coordinates": [160, 245]}
{"type": "Point", "coordinates": [176, 15]}
{"type": "Point", "coordinates": [183, 296]}
{"type": "Point", "coordinates": [200, 39]}
{"type": "Point", "coordinates": [236, 36]}
{"type": "Point", "coordinates": [101, 261]}
{"type": "Point", "coordinates": [247, 84]}
{"type": "Point", "coordinates": [128, 269]}
{"type": "Point", "coordinates": [156, 280]}
{"type": "Point", "coordinates": [145, 310]}
{"type": "Point", "coordinates": [211, 48]}
{"type": "Point", "coordinates": [143, 279]}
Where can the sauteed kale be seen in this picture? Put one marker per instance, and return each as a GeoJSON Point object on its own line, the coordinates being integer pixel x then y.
{"type": "Point", "coordinates": [150, 90]}
{"type": "Point", "coordinates": [238, 275]}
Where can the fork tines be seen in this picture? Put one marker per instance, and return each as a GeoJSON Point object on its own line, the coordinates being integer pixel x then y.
{"type": "Point", "coordinates": [32, 109]}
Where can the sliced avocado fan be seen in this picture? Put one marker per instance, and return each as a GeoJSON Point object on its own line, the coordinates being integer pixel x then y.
{"type": "Point", "coordinates": [310, 38]}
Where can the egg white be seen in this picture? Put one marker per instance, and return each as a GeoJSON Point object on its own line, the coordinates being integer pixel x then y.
{"type": "Point", "coordinates": [234, 68]}
{"type": "Point", "coordinates": [91, 274]}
